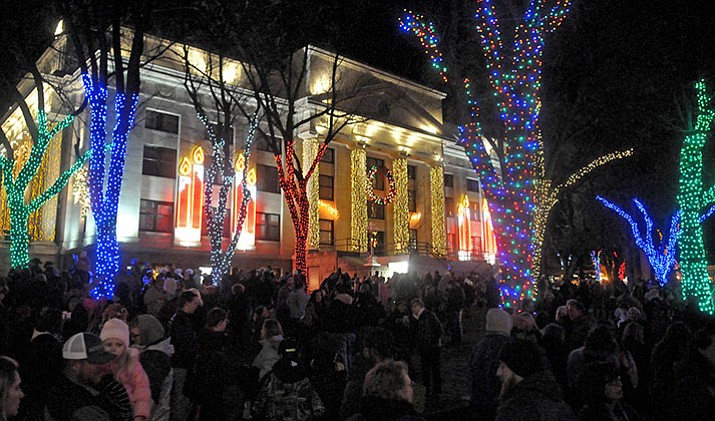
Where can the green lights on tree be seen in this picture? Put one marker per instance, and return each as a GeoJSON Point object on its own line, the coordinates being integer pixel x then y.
{"type": "Point", "coordinates": [694, 199]}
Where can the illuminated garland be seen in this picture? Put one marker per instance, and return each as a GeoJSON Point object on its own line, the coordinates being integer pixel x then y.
{"type": "Point", "coordinates": [104, 199]}
{"type": "Point", "coordinates": [358, 204]}
{"type": "Point", "coordinates": [80, 192]}
{"type": "Point", "coordinates": [596, 261]}
{"type": "Point", "coordinates": [17, 182]}
{"type": "Point", "coordinates": [216, 215]}
{"type": "Point", "coordinates": [401, 208]}
{"type": "Point", "coordinates": [692, 198]}
{"type": "Point", "coordinates": [392, 189]}
{"type": "Point", "coordinates": [439, 230]}
{"type": "Point", "coordinates": [662, 257]}
{"type": "Point", "coordinates": [310, 151]}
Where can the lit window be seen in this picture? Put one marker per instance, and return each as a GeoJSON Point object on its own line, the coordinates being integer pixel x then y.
{"type": "Point", "coordinates": [156, 216]}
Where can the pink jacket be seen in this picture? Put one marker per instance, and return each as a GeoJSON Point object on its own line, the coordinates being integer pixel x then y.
{"type": "Point", "coordinates": [135, 380]}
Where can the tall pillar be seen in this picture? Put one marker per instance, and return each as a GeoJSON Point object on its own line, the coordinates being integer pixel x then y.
{"type": "Point", "coordinates": [358, 204]}
{"type": "Point", "coordinates": [439, 232]}
{"type": "Point", "coordinates": [400, 207]}
{"type": "Point", "coordinates": [310, 152]}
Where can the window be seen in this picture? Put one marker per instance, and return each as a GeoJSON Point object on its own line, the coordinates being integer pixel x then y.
{"type": "Point", "coordinates": [326, 232]}
{"type": "Point", "coordinates": [411, 172]}
{"type": "Point", "coordinates": [375, 211]}
{"type": "Point", "coordinates": [156, 216]}
{"type": "Point", "coordinates": [472, 185]}
{"type": "Point", "coordinates": [474, 211]}
{"type": "Point", "coordinates": [326, 187]}
{"type": "Point", "coordinates": [412, 200]}
{"type": "Point", "coordinates": [328, 156]}
{"type": "Point", "coordinates": [267, 179]}
{"type": "Point", "coordinates": [412, 244]}
{"type": "Point", "coordinates": [449, 206]}
{"type": "Point", "coordinates": [268, 226]}
{"type": "Point", "coordinates": [379, 181]}
{"type": "Point", "coordinates": [156, 120]}
{"type": "Point", "coordinates": [158, 161]}
{"type": "Point", "coordinates": [448, 180]}
{"type": "Point", "coordinates": [380, 237]}
{"type": "Point", "coordinates": [261, 142]}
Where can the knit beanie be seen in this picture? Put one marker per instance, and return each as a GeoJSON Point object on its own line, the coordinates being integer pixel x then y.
{"type": "Point", "coordinates": [151, 329]}
{"type": "Point", "coordinates": [499, 321]}
{"type": "Point", "coordinates": [115, 328]}
{"type": "Point", "coordinates": [523, 357]}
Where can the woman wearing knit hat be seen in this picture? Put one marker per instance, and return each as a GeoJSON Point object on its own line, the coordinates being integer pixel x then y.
{"type": "Point", "coordinates": [126, 367]}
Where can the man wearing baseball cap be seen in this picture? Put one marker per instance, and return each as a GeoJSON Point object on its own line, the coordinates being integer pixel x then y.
{"type": "Point", "coordinates": [87, 390]}
{"type": "Point", "coordinates": [529, 390]}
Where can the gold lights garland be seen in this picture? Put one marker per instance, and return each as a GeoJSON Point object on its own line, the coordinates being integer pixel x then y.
{"type": "Point", "coordinates": [401, 205]}
{"type": "Point", "coordinates": [310, 151]}
{"type": "Point", "coordinates": [439, 233]}
{"type": "Point", "coordinates": [358, 206]}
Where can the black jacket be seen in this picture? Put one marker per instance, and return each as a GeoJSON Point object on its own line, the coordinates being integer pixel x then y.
{"type": "Point", "coordinates": [380, 409]}
{"type": "Point", "coordinates": [537, 397]}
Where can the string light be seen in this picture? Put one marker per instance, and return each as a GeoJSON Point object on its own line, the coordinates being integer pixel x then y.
{"type": "Point", "coordinates": [401, 209]}
{"type": "Point", "coordinates": [16, 181]}
{"type": "Point", "coordinates": [104, 201]}
{"type": "Point", "coordinates": [310, 151]}
{"type": "Point", "coordinates": [439, 230]}
{"type": "Point", "coordinates": [661, 257]}
{"type": "Point", "coordinates": [329, 209]}
{"type": "Point", "coordinates": [358, 204]}
{"type": "Point", "coordinates": [80, 192]}
{"type": "Point", "coordinates": [596, 261]}
{"type": "Point", "coordinates": [692, 198]}
{"type": "Point", "coordinates": [392, 187]}
{"type": "Point", "coordinates": [515, 78]}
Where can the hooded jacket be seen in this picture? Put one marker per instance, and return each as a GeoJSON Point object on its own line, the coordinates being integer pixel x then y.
{"type": "Point", "coordinates": [287, 395]}
{"type": "Point", "coordinates": [537, 397]}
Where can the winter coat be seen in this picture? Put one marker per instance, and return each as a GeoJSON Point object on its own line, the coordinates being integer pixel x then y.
{"type": "Point", "coordinates": [483, 365]}
{"type": "Point", "coordinates": [693, 397]}
{"type": "Point", "coordinates": [209, 377]}
{"type": "Point", "coordinates": [537, 397]}
{"type": "Point", "coordinates": [286, 394]}
{"type": "Point", "coordinates": [154, 299]}
{"type": "Point", "coordinates": [426, 331]}
{"type": "Point", "coordinates": [296, 301]}
{"type": "Point", "coordinates": [268, 355]}
{"type": "Point", "coordinates": [156, 360]}
{"type": "Point", "coordinates": [69, 401]}
{"type": "Point", "coordinates": [601, 412]}
{"type": "Point", "coordinates": [136, 382]}
{"type": "Point", "coordinates": [373, 408]}
{"type": "Point", "coordinates": [183, 337]}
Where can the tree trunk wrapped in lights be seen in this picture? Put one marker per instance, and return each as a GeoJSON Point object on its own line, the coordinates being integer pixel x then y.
{"type": "Point", "coordinates": [512, 167]}
{"type": "Point", "coordinates": [693, 198]}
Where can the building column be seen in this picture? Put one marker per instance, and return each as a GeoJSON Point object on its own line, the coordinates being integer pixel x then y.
{"type": "Point", "coordinates": [310, 152]}
{"type": "Point", "coordinates": [439, 232]}
{"type": "Point", "coordinates": [400, 208]}
{"type": "Point", "coordinates": [358, 203]}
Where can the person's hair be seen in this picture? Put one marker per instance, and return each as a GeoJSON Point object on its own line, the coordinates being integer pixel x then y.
{"type": "Point", "coordinates": [8, 376]}
{"type": "Point", "coordinates": [273, 327]}
{"type": "Point", "coordinates": [385, 380]}
{"type": "Point", "coordinates": [215, 316]}
{"type": "Point", "coordinates": [418, 302]}
{"type": "Point", "coordinates": [553, 333]}
{"type": "Point", "coordinates": [49, 320]}
{"type": "Point", "coordinates": [186, 297]}
{"type": "Point", "coordinates": [577, 304]}
{"type": "Point", "coordinates": [632, 332]}
{"type": "Point", "coordinates": [259, 309]}
{"type": "Point", "coordinates": [593, 380]}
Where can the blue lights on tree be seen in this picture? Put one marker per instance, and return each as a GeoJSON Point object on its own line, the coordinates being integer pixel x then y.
{"type": "Point", "coordinates": [660, 257]}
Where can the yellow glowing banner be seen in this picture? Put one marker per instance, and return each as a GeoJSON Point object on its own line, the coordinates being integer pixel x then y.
{"type": "Point", "coordinates": [490, 243]}
{"type": "Point", "coordinates": [247, 239]}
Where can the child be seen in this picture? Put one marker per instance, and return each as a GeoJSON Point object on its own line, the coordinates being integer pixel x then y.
{"type": "Point", "coordinates": [126, 367]}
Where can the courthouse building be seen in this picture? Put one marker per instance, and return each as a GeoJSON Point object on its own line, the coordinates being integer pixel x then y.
{"type": "Point", "coordinates": [437, 216]}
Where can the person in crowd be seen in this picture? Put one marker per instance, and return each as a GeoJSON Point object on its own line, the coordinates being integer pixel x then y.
{"type": "Point", "coordinates": [296, 301]}
{"type": "Point", "coordinates": [271, 338]}
{"type": "Point", "coordinates": [426, 332]}
{"type": "Point", "coordinates": [553, 341]}
{"type": "Point", "coordinates": [286, 393]}
{"type": "Point", "coordinates": [580, 324]}
{"type": "Point", "coordinates": [183, 338]}
{"type": "Point", "coordinates": [10, 391]}
{"type": "Point", "coordinates": [398, 323]}
{"type": "Point", "coordinates": [529, 390]}
{"type": "Point", "coordinates": [378, 347]}
{"type": "Point", "coordinates": [87, 391]}
{"type": "Point", "coordinates": [211, 375]}
{"type": "Point", "coordinates": [41, 364]}
{"type": "Point", "coordinates": [694, 394]}
{"type": "Point", "coordinates": [600, 346]}
{"type": "Point", "coordinates": [155, 296]}
{"type": "Point", "coordinates": [315, 310]}
{"type": "Point", "coordinates": [127, 368]}
{"type": "Point", "coordinates": [156, 350]}
{"type": "Point", "coordinates": [455, 304]}
{"type": "Point", "coordinates": [484, 362]}
{"type": "Point", "coordinates": [602, 391]}
{"type": "Point", "coordinates": [387, 394]}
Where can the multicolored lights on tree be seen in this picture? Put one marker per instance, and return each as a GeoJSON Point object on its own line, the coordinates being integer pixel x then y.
{"type": "Point", "coordinates": [105, 182]}
{"type": "Point", "coordinates": [596, 261]}
{"type": "Point", "coordinates": [16, 185]}
{"type": "Point", "coordinates": [515, 77]}
{"type": "Point", "coordinates": [660, 257]}
{"type": "Point", "coordinates": [190, 201]}
{"type": "Point", "coordinates": [694, 198]}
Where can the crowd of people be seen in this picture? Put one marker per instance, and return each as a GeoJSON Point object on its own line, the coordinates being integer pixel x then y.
{"type": "Point", "coordinates": [174, 345]}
